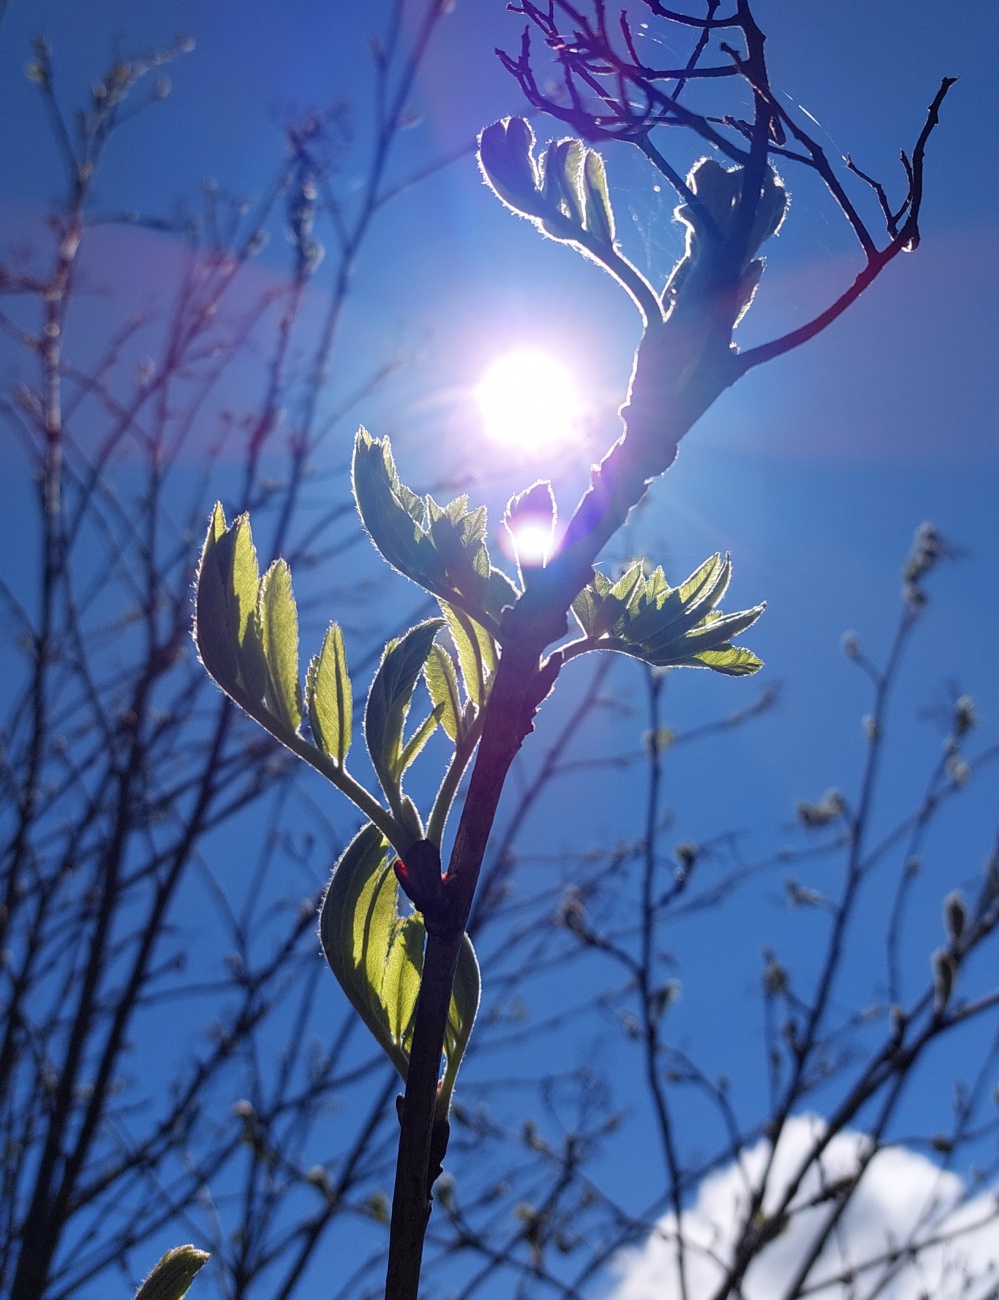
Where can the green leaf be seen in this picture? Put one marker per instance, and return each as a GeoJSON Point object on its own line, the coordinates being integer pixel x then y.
{"type": "Point", "coordinates": [441, 548]}
{"type": "Point", "coordinates": [359, 925]}
{"type": "Point", "coordinates": [500, 592]}
{"type": "Point", "coordinates": [442, 683]}
{"type": "Point", "coordinates": [668, 627]}
{"type": "Point", "coordinates": [277, 618]}
{"type": "Point", "coordinates": [213, 634]}
{"type": "Point", "coordinates": [461, 1015]}
{"type": "Point", "coordinates": [505, 156]}
{"type": "Point", "coordinates": [457, 536]}
{"type": "Point", "coordinates": [732, 661]}
{"type": "Point", "coordinates": [377, 955]}
{"type": "Point", "coordinates": [562, 167]}
{"type": "Point", "coordinates": [171, 1276]}
{"type": "Point", "coordinates": [243, 588]}
{"type": "Point", "coordinates": [599, 214]}
{"type": "Point", "coordinates": [402, 975]}
{"type": "Point", "coordinates": [389, 511]}
{"type": "Point", "coordinates": [420, 737]}
{"type": "Point", "coordinates": [476, 652]}
{"type": "Point", "coordinates": [389, 700]}
{"type": "Point", "coordinates": [225, 627]}
{"type": "Point", "coordinates": [329, 698]}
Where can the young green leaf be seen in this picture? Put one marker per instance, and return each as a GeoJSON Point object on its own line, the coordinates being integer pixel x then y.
{"type": "Point", "coordinates": [561, 168]}
{"type": "Point", "coordinates": [599, 214]}
{"type": "Point", "coordinates": [457, 536]}
{"type": "Point", "coordinates": [389, 700]}
{"type": "Point", "coordinates": [329, 698]}
{"type": "Point", "coordinates": [171, 1276]}
{"type": "Point", "coordinates": [505, 156]}
{"type": "Point", "coordinates": [442, 683]}
{"type": "Point", "coordinates": [377, 955]}
{"type": "Point", "coordinates": [225, 624]}
{"type": "Point", "coordinates": [357, 924]}
{"type": "Point", "coordinates": [244, 589]}
{"type": "Point", "coordinates": [668, 627]}
{"type": "Point", "coordinates": [476, 652]}
{"type": "Point", "coordinates": [277, 618]}
{"type": "Point", "coordinates": [403, 970]}
{"type": "Point", "coordinates": [393, 514]}
{"type": "Point", "coordinates": [461, 1016]}
{"type": "Point", "coordinates": [213, 634]}
{"type": "Point", "coordinates": [420, 737]}
{"type": "Point", "coordinates": [730, 660]}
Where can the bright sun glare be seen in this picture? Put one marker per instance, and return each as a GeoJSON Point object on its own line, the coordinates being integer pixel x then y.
{"type": "Point", "coordinates": [529, 400]}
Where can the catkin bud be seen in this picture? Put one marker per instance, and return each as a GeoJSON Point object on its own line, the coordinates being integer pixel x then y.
{"type": "Point", "coordinates": [954, 916]}
{"type": "Point", "coordinates": [944, 972]}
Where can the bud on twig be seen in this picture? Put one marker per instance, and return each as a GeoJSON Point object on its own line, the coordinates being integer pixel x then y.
{"type": "Point", "coordinates": [954, 917]}
{"type": "Point", "coordinates": [944, 974]}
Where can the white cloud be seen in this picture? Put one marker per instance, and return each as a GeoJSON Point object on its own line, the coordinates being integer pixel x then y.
{"type": "Point", "coordinates": [903, 1199]}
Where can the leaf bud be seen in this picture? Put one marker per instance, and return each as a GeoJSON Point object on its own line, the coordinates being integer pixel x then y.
{"type": "Point", "coordinates": [954, 917]}
{"type": "Point", "coordinates": [944, 973]}
{"type": "Point", "coordinates": [964, 715]}
{"type": "Point", "coordinates": [172, 1275]}
{"type": "Point", "coordinates": [599, 213]}
{"type": "Point", "coordinates": [420, 875]}
{"type": "Point", "coordinates": [851, 645]}
{"type": "Point", "coordinates": [507, 163]}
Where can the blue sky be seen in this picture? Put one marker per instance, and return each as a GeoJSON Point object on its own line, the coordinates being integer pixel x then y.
{"type": "Point", "coordinates": [814, 472]}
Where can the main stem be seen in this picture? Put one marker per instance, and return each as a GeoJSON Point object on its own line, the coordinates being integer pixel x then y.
{"type": "Point", "coordinates": [681, 367]}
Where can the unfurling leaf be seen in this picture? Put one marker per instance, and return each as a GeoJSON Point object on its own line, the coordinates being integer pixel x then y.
{"type": "Point", "coordinates": [389, 699]}
{"type": "Point", "coordinates": [377, 955]}
{"type": "Point", "coordinates": [598, 212]}
{"type": "Point", "coordinates": [442, 683]}
{"type": "Point", "coordinates": [277, 617]}
{"type": "Point", "coordinates": [440, 547]}
{"type": "Point", "coordinates": [214, 633]}
{"type": "Point", "coordinates": [392, 514]}
{"type": "Point", "coordinates": [562, 167]}
{"type": "Point", "coordinates": [507, 162]}
{"type": "Point", "coordinates": [420, 737]}
{"type": "Point", "coordinates": [364, 938]}
{"type": "Point", "coordinates": [461, 1015]}
{"type": "Point", "coordinates": [668, 627]}
{"type": "Point", "coordinates": [171, 1276]}
{"type": "Point", "coordinates": [225, 627]}
{"type": "Point", "coordinates": [329, 698]}
{"type": "Point", "coordinates": [530, 516]}
{"type": "Point", "coordinates": [476, 652]}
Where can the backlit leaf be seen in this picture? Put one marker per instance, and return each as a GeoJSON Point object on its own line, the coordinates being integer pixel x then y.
{"type": "Point", "coordinates": [599, 214]}
{"type": "Point", "coordinates": [442, 683]}
{"type": "Point", "coordinates": [377, 955]}
{"type": "Point", "coordinates": [171, 1276]}
{"type": "Point", "coordinates": [329, 697]}
{"type": "Point", "coordinates": [461, 1015]}
{"type": "Point", "coordinates": [420, 737]}
{"type": "Point", "coordinates": [389, 700]}
{"type": "Point", "coordinates": [278, 622]}
{"type": "Point", "coordinates": [357, 922]}
{"type": "Point", "coordinates": [667, 627]}
{"type": "Point", "coordinates": [393, 514]}
{"type": "Point", "coordinates": [212, 632]}
{"type": "Point", "coordinates": [476, 652]}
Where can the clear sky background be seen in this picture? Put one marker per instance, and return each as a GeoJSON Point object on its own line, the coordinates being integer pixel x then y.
{"type": "Point", "coordinates": [813, 472]}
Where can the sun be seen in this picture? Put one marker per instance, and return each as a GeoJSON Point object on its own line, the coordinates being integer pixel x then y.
{"type": "Point", "coordinates": [529, 400]}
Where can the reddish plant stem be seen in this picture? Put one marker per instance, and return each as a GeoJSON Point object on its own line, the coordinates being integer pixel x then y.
{"type": "Point", "coordinates": [681, 367]}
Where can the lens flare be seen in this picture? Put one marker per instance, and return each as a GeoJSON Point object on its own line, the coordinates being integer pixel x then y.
{"type": "Point", "coordinates": [529, 401]}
